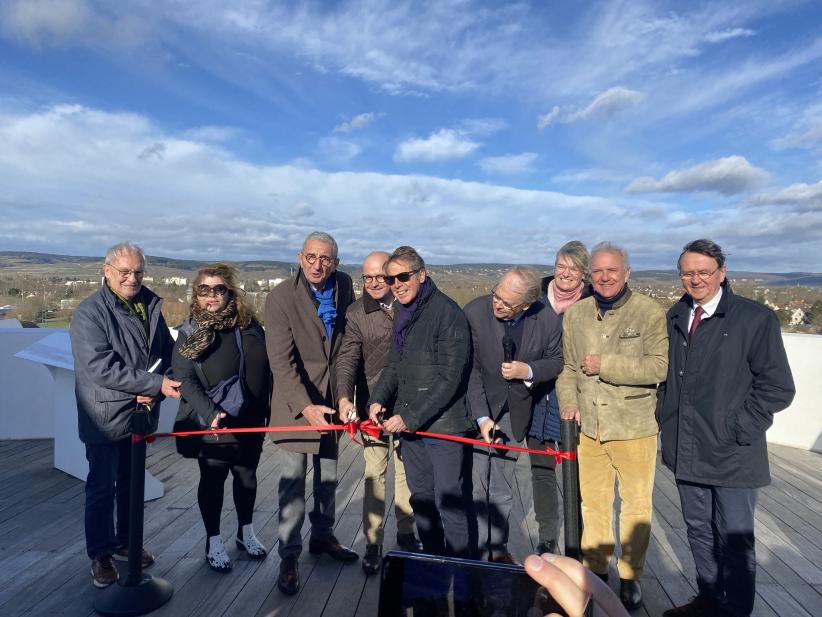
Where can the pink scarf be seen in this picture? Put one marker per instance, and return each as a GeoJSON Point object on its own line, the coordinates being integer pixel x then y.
{"type": "Point", "coordinates": [561, 300]}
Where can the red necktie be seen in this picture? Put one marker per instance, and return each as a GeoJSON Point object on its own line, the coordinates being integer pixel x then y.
{"type": "Point", "coordinates": [698, 311]}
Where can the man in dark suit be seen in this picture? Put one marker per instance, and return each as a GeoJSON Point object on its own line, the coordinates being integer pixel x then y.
{"type": "Point", "coordinates": [304, 327]}
{"type": "Point", "coordinates": [713, 412]}
{"type": "Point", "coordinates": [517, 350]}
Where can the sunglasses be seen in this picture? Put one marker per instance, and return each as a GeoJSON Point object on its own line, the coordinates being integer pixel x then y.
{"type": "Point", "coordinates": [402, 277]}
{"type": "Point", "coordinates": [207, 290]}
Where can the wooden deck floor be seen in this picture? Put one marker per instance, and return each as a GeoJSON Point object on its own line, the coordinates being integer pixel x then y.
{"type": "Point", "coordinates": [44, 569]}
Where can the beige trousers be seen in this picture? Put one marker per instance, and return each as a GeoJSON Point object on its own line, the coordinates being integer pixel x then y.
{"type": "Point", "coordinates": [376, 452]}
{"type": "Point", "coordinates": [633, 463]}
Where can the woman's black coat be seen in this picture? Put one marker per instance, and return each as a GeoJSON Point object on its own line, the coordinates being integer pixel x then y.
{"type": "Point", "coordinates": [197, 410]}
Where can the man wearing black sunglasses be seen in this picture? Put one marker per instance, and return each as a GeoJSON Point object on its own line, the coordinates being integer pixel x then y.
{"type": "Point", "coordinates": [304, 327]}
{"type": "Point", "coordinates": [426, 377]}
{"type": "Point", "coordinates": [364, 351]}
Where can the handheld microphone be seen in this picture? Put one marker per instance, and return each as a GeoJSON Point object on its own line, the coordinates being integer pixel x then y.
{"type": "Point", "coordinates": [507, 348]}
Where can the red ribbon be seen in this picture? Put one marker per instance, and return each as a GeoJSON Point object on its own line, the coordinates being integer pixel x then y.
{"type": "Point", "coordinates": [352, 428]}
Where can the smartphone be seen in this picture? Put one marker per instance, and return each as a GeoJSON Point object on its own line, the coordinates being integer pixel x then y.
{"type": "Point", "coordinates": [420, 585]}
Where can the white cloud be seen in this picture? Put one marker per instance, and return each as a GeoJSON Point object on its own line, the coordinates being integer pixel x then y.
{"type": "Point", "coordinates": [726, 35]}
{"type": "Point", "coordinates": [728, 176]}
{"type": "Point", "coordinates": [801, 196]}
{"type": "Point", "coordinates": [442, 145]}
{"type": "Point", "coordinates": [607, 104]}
{"type": "Point", "coordinates": [339, 151]}
{"type": "Point", "coordinates": [509, 165]}
{"type": "Point", "coordinates": [808, 131]}
{"type": "Point", "coordinates": [52, 23]}
{"type": "Point", "coordinates": [547, 119]}
{"type": "Point", "coordinates": [357, 123]}
{"type": "Point", "coordinates": [482, 127]}
{"type": "Point", "coordinates": [72, 183]}
{"type": "Point", "coordinates": [603, 106]}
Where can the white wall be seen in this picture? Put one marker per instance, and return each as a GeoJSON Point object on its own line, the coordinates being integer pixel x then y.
{"type": "Point", "coordinates": [26, 392]}
{"type": "Point", "coordinates": [26, 388]}
{"type": "Point", "coordinates": [800, 425]}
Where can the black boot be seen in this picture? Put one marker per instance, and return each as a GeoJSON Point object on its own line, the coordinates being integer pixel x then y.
{"type": "Point", "coordinates": [372, 560]}
{"type": "Point", "coordinates": [630, 593]}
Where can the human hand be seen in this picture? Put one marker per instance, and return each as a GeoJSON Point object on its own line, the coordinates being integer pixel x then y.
{"type": "Point", "coordinates": [573, 586]}
{"type": "Point", "coordinates": [514, 370]}
{"type": "Point", "coordinates": [347, 410]}
{"type": "Point", "coordinates": [394, 424]}
{"type": "Point", "coordinates": [591, 364]}
{"type": "Point", "coordinates": [215, 423]}
{"type": "Point", "coordinates": [571, 412]}
{"type": "Point", "coordinates": [170, 388]}
{"type": "Point", "coordinates": [375, 412]}
{"type": "Point", "coordinates": [316, 415]}
{"type": "Point", "coordinates": [142, 399]}
{"type": "Point", "coordinates": [485, 430]}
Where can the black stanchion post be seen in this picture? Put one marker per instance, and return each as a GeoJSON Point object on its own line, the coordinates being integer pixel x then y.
{"type": "Point", "coordinates": [570, 495]}
{"type": "Point", "coordinates": [139, 593]}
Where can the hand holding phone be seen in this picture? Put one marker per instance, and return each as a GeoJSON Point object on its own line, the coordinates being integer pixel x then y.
{"type": "Point", "coordinates": [420, 585]}
{"type": "Point", "coordinates": [573, 586]}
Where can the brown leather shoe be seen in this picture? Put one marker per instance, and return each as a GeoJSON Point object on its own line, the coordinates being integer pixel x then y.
{"type": "Point", "coordinates": [289, 579]}
{"type": "Point", "coordinates": [332, 547]}
{"type": "Point", "coordinates": [103, 571]}
{"type": "Point", "coordinates": [121, 554]}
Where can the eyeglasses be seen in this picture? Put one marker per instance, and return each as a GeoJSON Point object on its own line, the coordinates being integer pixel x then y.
{"type": "Point", "coordinates": [126, 273]}
{"type": "Point", "coordinates": [510, 307]}
{"type": "Point", "coordinates": [564, 268]}
{"type": "Point", "coordinates": [207, 290]}
{"type": "Point", "coordinates": [703, 275]}
{"type": "Point", "coordinates": [325, 260]}
{"type": "Point", "coordinates": [379, 278]}
{"type": "Point", "coordinates": [402, 277]}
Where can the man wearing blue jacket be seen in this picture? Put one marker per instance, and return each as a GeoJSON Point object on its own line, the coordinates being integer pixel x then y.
{"type": "Point", "coordinates": [727, 375]}
{"type": "Point", "coordinates": [121, 347]}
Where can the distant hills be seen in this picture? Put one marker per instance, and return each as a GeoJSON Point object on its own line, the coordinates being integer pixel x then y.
{"type": "Point", "coordinates": [25, 262]}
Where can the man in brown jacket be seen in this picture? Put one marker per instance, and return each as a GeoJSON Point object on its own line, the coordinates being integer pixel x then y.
{"type": "Point", "coordinates": [365, 348]}
{"type": "Point", "coordinates": [304, 327]}
{"type": "Point", "coordinates": [615, 346]}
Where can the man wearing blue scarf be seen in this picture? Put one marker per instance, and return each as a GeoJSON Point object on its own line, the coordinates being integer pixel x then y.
{"type": "Point", "coordinates": [304, 327]}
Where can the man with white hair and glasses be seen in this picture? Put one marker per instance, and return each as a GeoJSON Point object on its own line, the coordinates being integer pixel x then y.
{"type": "Point", "coordinates": [122, 348]}
{"type": "Point", "coordinates": [616, 352]}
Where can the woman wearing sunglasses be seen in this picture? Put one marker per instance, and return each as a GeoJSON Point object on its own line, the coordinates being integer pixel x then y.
{"type": "Point", "coordinates": [220, 359]}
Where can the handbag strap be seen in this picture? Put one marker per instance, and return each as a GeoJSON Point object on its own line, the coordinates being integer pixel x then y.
{"type": "Point", "coordinates": [238, 336]}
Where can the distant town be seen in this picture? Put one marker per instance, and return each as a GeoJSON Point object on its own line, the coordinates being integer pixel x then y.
{"type": "Point", "coordinates": [41, 290]}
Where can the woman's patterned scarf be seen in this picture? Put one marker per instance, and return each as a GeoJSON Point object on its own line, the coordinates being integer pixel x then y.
{"type": "Point", "coordinates": [207, 323]}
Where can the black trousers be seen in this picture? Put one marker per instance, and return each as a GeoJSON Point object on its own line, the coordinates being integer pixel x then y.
{"type": "Point", "coordinates": [720, 522]}
{"type": "Point", "coordinates": [438, 473]}
{"type": "Point", "coordinates": [544, 489]}
{"type": "Point", "coordinates": [213, 473]}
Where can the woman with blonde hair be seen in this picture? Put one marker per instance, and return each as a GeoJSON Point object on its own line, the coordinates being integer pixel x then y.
{"type": "Point", "coordinates": [220, 359]}
{"type": "Point", "coordinates": [568, 285]}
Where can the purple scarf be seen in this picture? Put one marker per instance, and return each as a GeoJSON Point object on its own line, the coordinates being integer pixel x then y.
{"type": "Point", "coordinates": [404, 315]}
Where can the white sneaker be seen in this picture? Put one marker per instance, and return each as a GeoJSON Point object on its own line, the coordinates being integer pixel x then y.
{"type": "Point", "coordinates": [247, 541]}
{"type": "Point", "coordinates": [216, 555]}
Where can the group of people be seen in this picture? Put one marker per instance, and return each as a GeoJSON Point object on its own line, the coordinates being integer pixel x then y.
{"type": "Point", "coordinates": [578, 345]}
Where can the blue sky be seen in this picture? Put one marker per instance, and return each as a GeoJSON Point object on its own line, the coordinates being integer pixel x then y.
{"type": "Point", "coordinates": [477, 132]}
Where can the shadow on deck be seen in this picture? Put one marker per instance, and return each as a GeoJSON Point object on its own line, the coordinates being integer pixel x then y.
{"type": "Point", "coordinates": [44, 569]}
